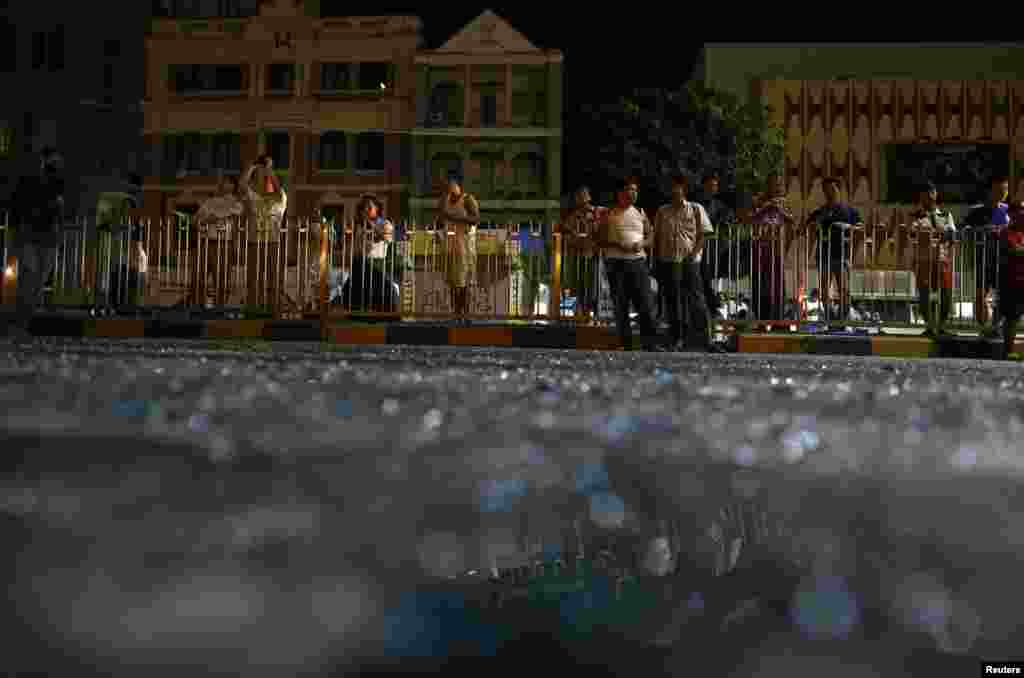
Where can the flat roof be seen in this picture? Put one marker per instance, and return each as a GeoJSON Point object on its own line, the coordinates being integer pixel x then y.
{"type": "Point", "coordinates": [864, 44]}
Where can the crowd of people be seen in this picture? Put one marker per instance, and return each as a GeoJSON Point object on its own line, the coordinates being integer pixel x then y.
{"type": "Point", "coordinates": [629, 247]}
{"type": "Point", "coordinates": [618, 244]}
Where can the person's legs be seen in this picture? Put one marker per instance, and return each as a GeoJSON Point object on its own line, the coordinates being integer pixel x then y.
{"type": "Point", "coordinates": [640, 294]}
{"type": "Point", "coordinates": [618, 285]}
{"type": "Point", "coordinates": [1009, 310]}
{"type": "Point", "coordinates": [671, 275]}
{"type": "Point", "coordinates": [699, 321]}
{"type": "Point", "coordinates": [925, 305]}
{"type": "Point", "coordinates": [33, 270]}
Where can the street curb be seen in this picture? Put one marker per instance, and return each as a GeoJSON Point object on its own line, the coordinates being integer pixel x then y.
{"type": "Point", "coordinates": [550, 337]}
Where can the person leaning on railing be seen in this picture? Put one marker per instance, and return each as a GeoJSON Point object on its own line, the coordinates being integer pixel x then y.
{"type": "Point", "coordinates": [374, 283]}
{"type": "Point", "coordinates": [217, 215]}
{"type": "Point", "coordinates": [829, 227]}
{"type": "Point", "coordinates": [1011, 276]}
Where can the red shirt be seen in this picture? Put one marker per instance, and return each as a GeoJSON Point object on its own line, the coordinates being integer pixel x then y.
{"type": "Point", "coordinates": [1013, 241]}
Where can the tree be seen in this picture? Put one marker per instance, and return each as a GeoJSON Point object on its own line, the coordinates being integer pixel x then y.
{"type": "Point", "coordinates": [654, 133]}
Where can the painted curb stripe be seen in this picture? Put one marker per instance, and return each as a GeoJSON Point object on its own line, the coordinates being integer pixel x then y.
{"type": "Point", "coordinates": [292, 330]}
{"type": "Point", "coordinates": [234, 329]}
{"type": "Point", "coordinates": [480, 336]}
{"type": "Point", "coordinates": [903, 347]}
{"type": "Point", "coordinates": [597, 339]}
{"type": "Point", "coordinates": [419, 336]}
{"type": "Point", "coordinates": [58, 327]}
{"type": "Point", "coordinates": [183, 329]}
{"type": "Point", "coordinates": [760, 344]}
{"type": "Point", "coordinates": [358, 336]}
{"type": "Point", "coordinates": [543, 337]}
{"type": "Point", "coordinates": [115, 328]}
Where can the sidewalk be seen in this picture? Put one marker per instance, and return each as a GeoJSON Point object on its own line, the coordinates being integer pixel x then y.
{"type": "Point", "coordinates": [896, 343]}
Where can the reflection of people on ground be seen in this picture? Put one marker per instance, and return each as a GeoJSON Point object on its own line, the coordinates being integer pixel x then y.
{"type": "Point", "coordinates": [985, 222]}
{"type": "Point", "coordinates": [1011, 276]}
{"type": "Point", "coordinates": [460, 214]}
{"type": "Point", "coordinates": [218, 215]}
{"type": "Point", "coordinates": [38, 203]}
{"type": "Point", "coordinates": [266, 206]}
{"type": "Point", "coordinates": [625, 235]}
{"type": "Point", "coordinates": [679, 230]}
{"type": "Point", "coordinates": [935, 229]}
{"type": "Point", "coordinates": [772, 221]}
{"type": "Point", "coordinates": [830, 243]}
{"type": "Point", "coordinates": [374, 281]}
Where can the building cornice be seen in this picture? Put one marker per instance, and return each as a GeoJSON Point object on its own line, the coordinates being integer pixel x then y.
{"type": "Point", "coordinates": [487, 59]}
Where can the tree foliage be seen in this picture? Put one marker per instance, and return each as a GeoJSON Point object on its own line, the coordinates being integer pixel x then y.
{"type": "Point", "coordinates": [655, 133]}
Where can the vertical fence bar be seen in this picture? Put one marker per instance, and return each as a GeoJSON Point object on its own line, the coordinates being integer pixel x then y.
{"type": "Point", "coordinates": [325, 231]}
{"type": "Point", "coordinates": [555, 293]}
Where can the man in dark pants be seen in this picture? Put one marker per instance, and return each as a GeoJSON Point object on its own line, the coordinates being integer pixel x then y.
{"type": "Point", "coordinates": [678, 238]}
{"type": "Point", "coordinates": [625, 236]}
{"type": "Point", "coordinates": [721, 217]}
{"type": "Point", "coordinates": [38, 212]}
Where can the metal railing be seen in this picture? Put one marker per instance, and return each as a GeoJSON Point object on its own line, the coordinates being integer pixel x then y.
{"type": "Point", "coordinates": [331, 270]}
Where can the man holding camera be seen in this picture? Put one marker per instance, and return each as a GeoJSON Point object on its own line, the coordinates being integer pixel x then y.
{"type": "Point", "coordinates": [38, 211]}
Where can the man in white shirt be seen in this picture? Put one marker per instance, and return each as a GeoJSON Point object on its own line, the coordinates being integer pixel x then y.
{"type": "Point", "coordinates": [679, 230]}
{"type": "Point", "coordinates": [625, 235]}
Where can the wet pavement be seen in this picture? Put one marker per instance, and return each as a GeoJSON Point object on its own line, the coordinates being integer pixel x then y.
{"type": "Point", "coordinates": [174, 506]}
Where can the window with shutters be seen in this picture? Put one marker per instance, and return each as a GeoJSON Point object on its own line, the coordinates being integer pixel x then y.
{"type": "Point", "coordinates": [371, 152]}
{"type": "Point", "coordinates": [375, 77]}
{"type": "Point", "coordinates": [280, 79]}
{"type": "Point", "coordinates": [55, 49]}
{"type": "Point", "coordinates": [334, 77]}
{"type": "Point", "coordinates": [38, 50]}
{"type": "Point", "coordinates": [279, 148]}
{"type": "Point", "coordinates": [8, 46]}
{"type": "Point", "coordinates": [333, 152]}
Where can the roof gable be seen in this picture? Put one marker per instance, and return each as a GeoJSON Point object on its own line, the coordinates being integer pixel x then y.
{"type": "Point", "coordinates": [488, 34]}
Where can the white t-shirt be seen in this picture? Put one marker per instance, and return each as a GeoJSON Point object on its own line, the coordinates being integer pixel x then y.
{"type": "Point", "coordinates": [625, 227]}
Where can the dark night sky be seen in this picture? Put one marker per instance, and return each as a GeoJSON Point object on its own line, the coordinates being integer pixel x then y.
{"type": "Point", "coordinates": [585, 40]}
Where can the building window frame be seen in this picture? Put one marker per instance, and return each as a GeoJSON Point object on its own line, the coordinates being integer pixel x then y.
{"type": "Point", "coordinates": [337, 141]}
{"type": "Point", "coordinates": [276, 70]}
{"type": "Point", "coordinates": [371, 153]}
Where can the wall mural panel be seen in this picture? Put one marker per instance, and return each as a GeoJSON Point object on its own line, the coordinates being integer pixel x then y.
{"type": "Point", "coordinates": [839, 127]}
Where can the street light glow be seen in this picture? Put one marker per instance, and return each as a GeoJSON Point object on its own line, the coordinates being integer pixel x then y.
{"type": "Point", "coordinates": [9, 271]}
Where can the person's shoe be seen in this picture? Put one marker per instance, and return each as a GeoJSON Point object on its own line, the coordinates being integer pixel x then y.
{"type": "Point", "coordinates": [928, 334]}
{"type": "Point", "coordinates": [658, 348]}
{"type": "Point", "coordinates": [717, 348]}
